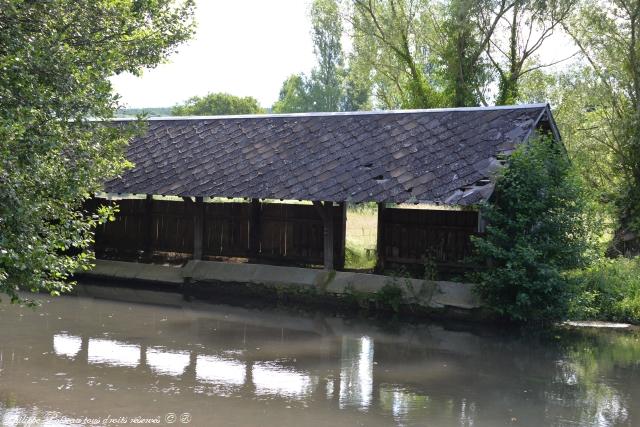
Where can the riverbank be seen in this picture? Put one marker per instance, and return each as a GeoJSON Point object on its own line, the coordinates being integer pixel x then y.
{"type": "Point", "coordinates": [341, 291]}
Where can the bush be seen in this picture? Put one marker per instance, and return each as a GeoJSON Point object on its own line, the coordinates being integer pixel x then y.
{"type": "Point", "coordinates": [609, 289]}
{"type": "Point", "coordinates": [536, 230]}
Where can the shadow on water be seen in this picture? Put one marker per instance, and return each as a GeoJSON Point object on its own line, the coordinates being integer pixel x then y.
{"type": "Point", "coordinates": [121, 352]}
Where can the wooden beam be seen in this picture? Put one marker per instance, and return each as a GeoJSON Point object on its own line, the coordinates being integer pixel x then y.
{"type": "Point", "coordinates": [342, 236]}
{"type": "Point", "coordinates": [254, 227]}
{"type": "Point", "coordinates": [198, 227]}
{"type": "Point", "coordinates": [380, 239]}
{"type": "Point", "coordinates": [147, 250]}
{"type": "Point", "coordinates": [326, 214]}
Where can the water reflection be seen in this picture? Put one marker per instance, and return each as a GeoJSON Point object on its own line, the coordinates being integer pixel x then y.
{"type": "Point", "coordinates": [356, 372]}
{"type": "Point", "coordinates": [216, 370]}
{"type": "Point", "coordinates": [167, 362]}
{"type": "Point", "coordinates": [67, 345]}
{"type": "Point", "coordinates": [269, 378]}
{"type": "Point", "coordinates": [113, 353]}
{"type": "Point", "coordinates": [227, 365]}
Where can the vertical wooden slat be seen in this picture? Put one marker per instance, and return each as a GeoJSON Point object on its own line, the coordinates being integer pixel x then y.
{"type": "Point", "coordinates": [341, 235]}
{"type": "Point", "coordinates": [380, 243]}
{"type": "Point", "coordinates": [147, 226]}
{"type": "Point", "coordinates": [254, 227]}
{"type": "Point", "coordinates": [198, 227]}
{"type": "Point", "coordinates": [325, 211]}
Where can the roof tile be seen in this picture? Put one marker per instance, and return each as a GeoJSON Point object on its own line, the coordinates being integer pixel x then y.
{"type": "Point", "coordinates": [422, 156]}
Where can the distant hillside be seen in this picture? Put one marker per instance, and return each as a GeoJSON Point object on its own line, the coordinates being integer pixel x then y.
{"type": "Point", "coordinates": [151, 112]}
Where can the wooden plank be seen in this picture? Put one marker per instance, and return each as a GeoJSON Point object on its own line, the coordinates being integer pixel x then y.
{"type": "Point", "coordinates": [410, 235]}
{"type": "Point", "coordinates": [341, 235]}
{"type": "Point", "coordinates": [380, 243]}
{"type": "Point", "coordinates": [198, 228]}
{"type": "Point", "coordinates": [148, 228]}
{"type": "Point", "coordinates": [326, 214]}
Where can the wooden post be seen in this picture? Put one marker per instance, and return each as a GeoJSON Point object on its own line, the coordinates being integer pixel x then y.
{"type": "Point", "coordinates": [380, 239]}
{"type": "Point", "coordinates": [198, 227]}
{"type": "Point", "coordinates": [254, 228]}
{"type": "Point", "coordinates": [482, 223]}
{"type": "Point", "coordinates": [328, 237]}
{"type": "Point", "coordinates": [148, 229]}
{"type": "Point", "coordinates": [326, 213]}
{"type": "Point", "coordinates": [343, 236]}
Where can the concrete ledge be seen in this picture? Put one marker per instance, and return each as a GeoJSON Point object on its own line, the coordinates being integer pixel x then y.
{"type": "Point", "coordinates": [455, 294]}
{"type": "Point", "coordinates": [201, 274]}
{"type": "Point", "coordinates": [137, 271]}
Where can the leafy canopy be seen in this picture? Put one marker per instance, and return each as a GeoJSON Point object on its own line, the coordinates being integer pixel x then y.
{"type": "Point", "coordinates": [56, 58]}
{"type": "Point", "coordinates": [607, 35]}
{"type": "Point", "coordinates": [215, 104]}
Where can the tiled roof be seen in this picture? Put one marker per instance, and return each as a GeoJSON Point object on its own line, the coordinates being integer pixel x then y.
{"type": "Point", "coordinates": [441, 156]}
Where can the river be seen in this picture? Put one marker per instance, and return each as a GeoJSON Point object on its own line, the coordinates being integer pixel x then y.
{"type": "Point", "coordinates": [116, 356]}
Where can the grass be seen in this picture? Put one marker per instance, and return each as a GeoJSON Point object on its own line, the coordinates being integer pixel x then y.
{"type": "Point", "coordinates": [362, 223]}
{"type": "Point", "coordinates": [609, 289]}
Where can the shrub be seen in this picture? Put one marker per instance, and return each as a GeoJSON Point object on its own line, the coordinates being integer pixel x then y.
{"type": "Point", "coordinates": [536, 230]}
{"type": "Point", "coordinates": [609, 289]}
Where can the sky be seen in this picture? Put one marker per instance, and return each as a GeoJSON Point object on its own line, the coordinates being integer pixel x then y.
{"type": "Point", "coordinates": [241, 47]}
{"type": "Point", "coordinates": [245, 48]}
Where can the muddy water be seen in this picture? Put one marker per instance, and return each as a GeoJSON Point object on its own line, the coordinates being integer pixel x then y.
{"type": "Point", "coordinates": [93, 361]}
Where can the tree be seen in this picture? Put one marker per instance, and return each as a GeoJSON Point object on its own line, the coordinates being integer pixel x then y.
{"type": "Point", "coordinates": [294, 96]}
{"type": "Point", "coordinates": [528, 25]}
{"type": "Point", "coordinates": [391, 39]}
{"type": "Point", "coordinates": [536, 230]}
{"type": "Point", "coordinates": [576, 95]}
{"type": "Point", "coordinates": [461, 33]}
{"type": "Point", "coordinates": [331, 86]}
{"type": "Point", "coordinates": [57, 57]}
{"type": "Point", "coordinates": [325, 86]}
{"type": "Point", "coordinates": [217, 104]}
{"type": "Point", "coordinates": [607, 35]}
{"type": "Point", "coordinates": [356, 90]}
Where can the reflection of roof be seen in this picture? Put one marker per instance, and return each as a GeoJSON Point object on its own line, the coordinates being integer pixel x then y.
{"type": "Point", "coordinates": [433, 156]}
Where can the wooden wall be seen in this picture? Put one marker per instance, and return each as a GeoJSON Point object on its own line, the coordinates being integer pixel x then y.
{"type": "Point", "coordinates": [410, 236]}
{"type": "Point", "coordinates": [288, 233]}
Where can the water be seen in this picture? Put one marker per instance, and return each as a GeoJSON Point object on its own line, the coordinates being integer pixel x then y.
{"type": "Point", "coordinates": [91, 361]}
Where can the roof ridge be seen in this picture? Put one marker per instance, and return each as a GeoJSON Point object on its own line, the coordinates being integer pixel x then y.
{"type": "Point", "coordinates": [342, 113]}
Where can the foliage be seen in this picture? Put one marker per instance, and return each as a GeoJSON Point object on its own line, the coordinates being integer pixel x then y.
{"type": "Point", "coordinates": [390, 295]}
{"type": "Point", "coordinates": [460, 35]}
{"type": "Point", "coordinates": [609, 289]}
{"type": "Point", "coordinates": [358, 258]}
{"type": "Point", "coordinates": [576, 95]}
{"type": "Point", "coordinates": [325, 86]}
{"type": "Point", "coordinates": [294, 96]}
{"type": "Point", "coordinates": [331, 86]}
{"type": "Point", "coordinates": [389, 39]}
{"type": "Point", "coordinates": [217, 104]}
{"type": "Point", "coordinates": [528, 24]}
{"type": "Point", "coordinates": [606, 34]}
{"type": "Point", "coordinates": [536, 230]}
{"type": "Point", "coordinates": [421, 53]}
{"type": "Point", "coordinates": [57, 57]}
{"type": "Point", "coordinates": [430, 53]}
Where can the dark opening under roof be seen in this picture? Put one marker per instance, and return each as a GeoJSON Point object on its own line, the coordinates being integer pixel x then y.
{"type": "Point", "coordinates": [417, 156]}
